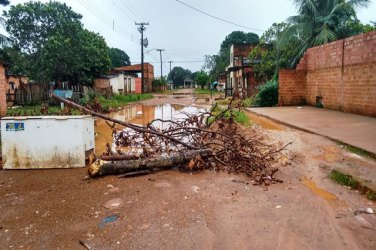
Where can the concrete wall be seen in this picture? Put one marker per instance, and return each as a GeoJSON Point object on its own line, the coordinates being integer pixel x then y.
{"type": "Point", "coordinates": [341, 73]}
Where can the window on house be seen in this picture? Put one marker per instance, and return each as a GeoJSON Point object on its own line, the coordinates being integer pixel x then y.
{"type": "Point", "coordinates": [11, 85]}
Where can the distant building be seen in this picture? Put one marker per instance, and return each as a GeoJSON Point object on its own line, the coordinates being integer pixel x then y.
{"type": "Point", "coordinates": [14, 83]}
{"type": "Point", "coordinates": [239, 76]}
{"type": "Point", "coordinates": [117, 84]}
{"type": "Point", "coordinates": [135, 70]}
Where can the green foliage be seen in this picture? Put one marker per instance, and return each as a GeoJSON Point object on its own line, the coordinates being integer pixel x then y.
{"type": "Point", "coordinates": [205, 91]}
{"type": "Point", "coordinates": [54, 45]}
{"type": "Point", "coordinates": [358, 151]}
{"type": "Point", "coordinates": [202, 79]}
{"type": "Point", "coordinates": [239, 37]}
{"type": "Point", "coordinates": [216, 64]}
{"type": "Point", "coordinates": [371, 195]}
{"type": "Point", "coordinates": [249, 102]}
{"type": "Point", "coordinates": [238, 116]}
{"type": "Point", "coordinates": [268, 94]}
{"type": "Point", "coordinates": [16, 59]}
{"type": "Point", "coordinates": [120, 100]}
{"type": "Point", "coordinates": [270, 54]}
{"type": "Point", "coordinates": [343, 179]}
{"type": "Point", "coordinates": [118, 58]}
{"type": "Point", "coordinates": [178, 75]}
{"type": "Point", "coordinates": [157, 83]}
{"type": "Point", "coordinates": [4, 2]}
{"type": "Point", "coordinates": [321, 21]}
{"type": "Point", "coordinates": [35, 110]}
{"type": "Point", "coordinates": [350, 181]}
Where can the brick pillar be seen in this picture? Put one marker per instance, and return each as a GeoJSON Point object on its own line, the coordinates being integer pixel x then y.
{"type": "Point", "coordinates": [3, 101]}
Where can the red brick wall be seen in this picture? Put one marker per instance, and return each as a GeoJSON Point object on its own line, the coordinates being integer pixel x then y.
{"type": "Point", "coordinates": [3, 83]}
{"type": "Point", "coordinates": [101, 83]}
{"type": "Point", "coordinates": [292, 89]}
{"type": "Point", "coordinates": [343, 73]}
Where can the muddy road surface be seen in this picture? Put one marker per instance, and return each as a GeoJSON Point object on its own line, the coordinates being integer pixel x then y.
{"type": "Point", "coordinates": [56, 209]}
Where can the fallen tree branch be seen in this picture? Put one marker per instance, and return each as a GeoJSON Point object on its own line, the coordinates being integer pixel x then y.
{"type": "Point", "coordinates": [210, 139]}
{"type": "Point", "coordinates": [137, 128]}
{"type": "Point", "coordinates": [100, 167]}
{"type": "Point", "coordinates": [134, 174]}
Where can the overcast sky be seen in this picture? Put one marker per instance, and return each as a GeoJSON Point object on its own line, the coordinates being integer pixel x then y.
{"type": "Point", "coordinates": [185, 34]}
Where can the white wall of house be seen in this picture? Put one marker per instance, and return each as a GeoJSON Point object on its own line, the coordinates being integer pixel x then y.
{"type": "Point", "coordinates": [117, 84]}
{"type": "Point", "coordinates": [129, 84]}
{"type": "Point", "coordinates": [123, 84]}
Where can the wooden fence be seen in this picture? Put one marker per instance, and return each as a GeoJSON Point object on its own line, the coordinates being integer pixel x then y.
{"type": "Point", "coordinates": [27, 94]}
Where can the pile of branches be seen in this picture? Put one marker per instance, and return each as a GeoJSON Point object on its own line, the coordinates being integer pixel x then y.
{"type": "Point", "coordinates": [205, 140]}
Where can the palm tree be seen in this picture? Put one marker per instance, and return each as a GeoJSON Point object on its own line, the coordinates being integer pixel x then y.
{"type": "Point", "coordinates": [4, 41]}
{"type": "Point", "coordinates": [321, 21]}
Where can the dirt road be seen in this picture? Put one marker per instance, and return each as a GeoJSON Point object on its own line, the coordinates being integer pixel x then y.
{"type": "Point", "coordinates": [55, 209]}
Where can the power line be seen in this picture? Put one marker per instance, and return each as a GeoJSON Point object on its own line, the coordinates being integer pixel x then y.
{"type": "Point", "coordinates": [218, 18]}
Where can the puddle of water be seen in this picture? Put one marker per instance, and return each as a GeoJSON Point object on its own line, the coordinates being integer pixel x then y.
{"type": "Point", "coordinates": [318, 191]}
{"type": "Point", "coordinates": [141, 115]}
{"type": "Point", "coordinates": [265, 123]}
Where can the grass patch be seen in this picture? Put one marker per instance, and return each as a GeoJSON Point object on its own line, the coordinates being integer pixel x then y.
{"type": "Point", "coordinates": [343, 179]}
{"type": "Point", "coordinates": [371, 195]}
{"type": "Point", "coordinates": [35, 110]}
{"type": "Point", "coordinates": [238, 116]}
{"type": "Point", "coordinates": [349, 181]}
{"type": "Point", "coordinates": [121, 100]}
{"type": "Point", "coordinates": [357, 151]}
{"type": "Point", "coordinates": [247, 102]}
{"type": "Point", "coordinates": [205, 91]}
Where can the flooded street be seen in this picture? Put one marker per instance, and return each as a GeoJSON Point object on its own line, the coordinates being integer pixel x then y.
{"type": "Point", "coordinates": [58, 208]}
{"type": "Point", "coordinates": [140, 114]}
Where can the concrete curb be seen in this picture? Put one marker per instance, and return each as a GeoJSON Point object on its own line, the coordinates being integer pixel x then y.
{"type": "Point", "coordinates": [371, 154]}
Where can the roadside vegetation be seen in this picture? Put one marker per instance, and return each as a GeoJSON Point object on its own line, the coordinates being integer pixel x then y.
{"type": "Point", "coordinates": [99, 103]}
{"type": "Point", "coordinates": [350, 181]}
{"type": "Point", "coordinates": [121, 100]}
{"type": "Point", "coordinates": [39, 110]}
{"type": "Point", "coordinates": [238, 116]}
{"type": "Point", "coordinates": [357, 151]}
{"type": "Point", "coordinates": [205, 91]}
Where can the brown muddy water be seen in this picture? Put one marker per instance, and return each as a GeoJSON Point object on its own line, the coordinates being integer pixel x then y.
{"type": "Point", "coordinates": [141, 115]}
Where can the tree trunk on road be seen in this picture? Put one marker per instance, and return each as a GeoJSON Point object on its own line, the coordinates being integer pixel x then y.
{"type": "Point", "coordinates": [101, 168]}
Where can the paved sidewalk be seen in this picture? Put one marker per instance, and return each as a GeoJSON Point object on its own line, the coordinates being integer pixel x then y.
{"type": "Point", "coordinates": [355, 130]}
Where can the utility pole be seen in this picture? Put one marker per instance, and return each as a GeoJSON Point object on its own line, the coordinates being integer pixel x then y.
{"type": "Point", "coordinates": [160, 55]}
{"type": "Point", "coordinates": [142, 28]}
{"type": "Point", "coordinates": [170, 64]}
{"type": "Point", "coordinates": [169, 74]}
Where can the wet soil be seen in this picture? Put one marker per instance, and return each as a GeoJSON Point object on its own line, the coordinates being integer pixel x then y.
{"type": "Point", "coordinates": [55, 209]}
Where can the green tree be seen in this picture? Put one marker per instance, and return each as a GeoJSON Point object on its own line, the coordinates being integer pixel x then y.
{"type": "Point", "coordinates": [55, 44]}
{"type": "Point", "coordinates": [77, 59]}
{"type": "Point", "coordinates": [239, 37]}
{"type": "Point", "coordinates": [271, 54]}
{"type": "Point", "coordinates": [202, 78]}
{"type": "Point", "coordinates": [4, 2]}
{"type": "Point", "coordinates": [118, 58]}
{"type": "Point", "coordinates": [321, 21]}
{"type": "Point", "coordinates": [4, 41]}
{"type": "Point", "coordinates": [178, 75]}
{"type": "Point", "coordinates": [218, 63]}
{"type": "Point", "coordinates": [16, 59]}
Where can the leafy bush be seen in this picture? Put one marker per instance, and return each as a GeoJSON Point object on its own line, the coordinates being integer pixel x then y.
{"type": "Point", "coordinates": [268, 94]}
{"type": "Point", "coordinates": [238, 115]}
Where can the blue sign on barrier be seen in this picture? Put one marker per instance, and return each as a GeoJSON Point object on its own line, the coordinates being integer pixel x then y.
{"type": "Point", "coordinates": [15, 126]}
